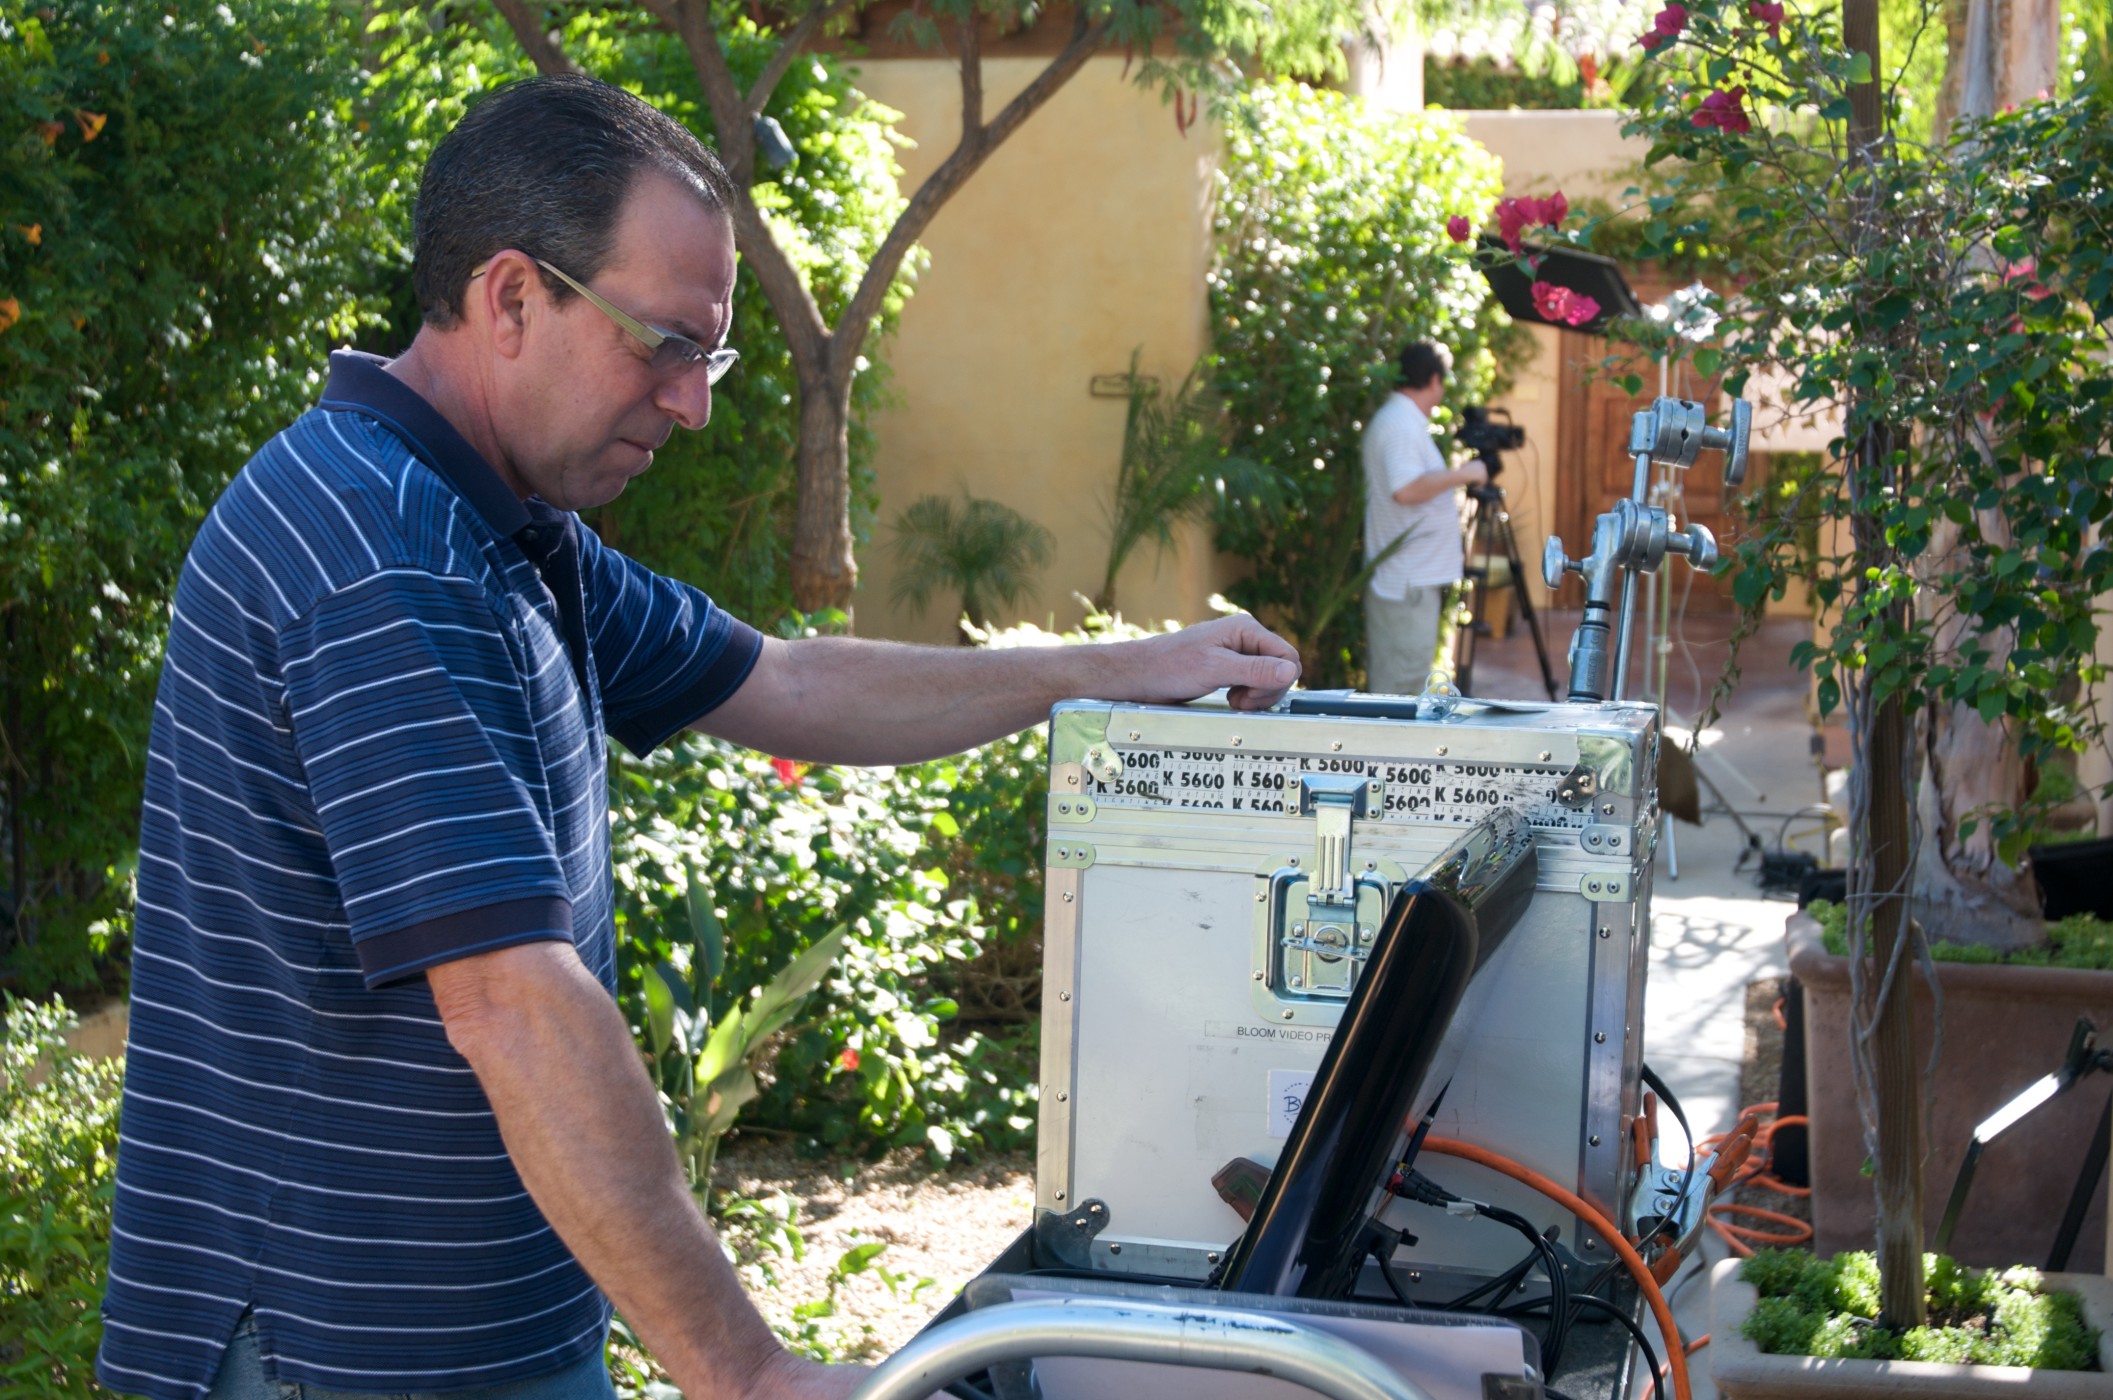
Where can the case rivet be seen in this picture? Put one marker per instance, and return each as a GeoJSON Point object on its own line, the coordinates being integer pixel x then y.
{"type": "Point", "coordinates": [1594, 1138]}
{"type": "Point", "coordinates": [1371, 865]}
{"type": "Point", "coordinates": [1067, 896]}
{"type": "Point", "coordinates": [1598, 1037]}
{"type": "Point", "coordinates": [1336, 745]}
{"type": "Point", "coordinates": [1298, 981]}
{"type": "Point", "coordinates": [1064, 1096]}
{"type": "Point", "coordinates": [1060, 1195]}
{"type": "Point", "coordinates": [1441, 751]}
{"type": "Point", "coordinates": [1591, 1244]}
{"type": "Point", "coordinates": [1134, 734]}
{"type": "Point", "coordinates": [1546, 755]}
{"type": "Point", "coordinates": [1236, 741]}
{"type": "Point", "coordinates": [1066, 996]}
{"type": "Point", "coordinates": [1258, 974]}
{"type": "Point", "coordinates": [1211, 1257]}
{"type": "Point", "coordinates": [1261, 896]}
{"type": "Point", "coordinates": [1115, 1249]}
{"type": "Point", "coordinates": [1607, 807]}
{"type": "Point", "coordinates": [1287, 1013]}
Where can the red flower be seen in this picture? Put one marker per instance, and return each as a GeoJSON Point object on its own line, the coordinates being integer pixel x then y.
{"type": "Point", "coordinates": [1769, 12]}
{"type": "Point", "coordinates": [1723, 110]}
{"type": "Point", "coordinates": [789, 772]}
{"type": "Point", "coordinates": [1563, 305]}
{"type": "Point", "coordinates": [1665, 27]}
{"type": "Point", "coordinates": [1457, 228]}
{"type": "Point", "coordinates": [1515, 216]}
{"type": "Point", "coordinates": [2027, 272]}
{"type": "Point", "coordinates": [1511, 222]}
{"type": "Point", "coordinates": [848, 1060]}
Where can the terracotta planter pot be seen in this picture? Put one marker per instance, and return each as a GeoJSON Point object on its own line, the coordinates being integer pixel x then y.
{"type": "Point", "coordinates": [2004, 1027]}
{"type": "Point", "coordinates": [1742, 1372]}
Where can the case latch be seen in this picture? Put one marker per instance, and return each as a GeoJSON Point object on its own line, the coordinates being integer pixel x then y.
{"type": "Point", "coordinates": [1333, 800]}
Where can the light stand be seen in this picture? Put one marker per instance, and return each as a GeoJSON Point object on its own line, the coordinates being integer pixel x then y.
{"type": "Point", "coordinates": [1688, 316]}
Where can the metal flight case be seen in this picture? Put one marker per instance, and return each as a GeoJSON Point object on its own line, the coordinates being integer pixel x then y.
{"type": "Point", "coordinates": [1215, 882]}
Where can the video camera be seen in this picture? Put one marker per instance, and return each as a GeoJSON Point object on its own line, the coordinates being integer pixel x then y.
{"type": "Point", "coordinates": [1486, 439]}
{"type": "Point", "coordinates": [1479, 435]}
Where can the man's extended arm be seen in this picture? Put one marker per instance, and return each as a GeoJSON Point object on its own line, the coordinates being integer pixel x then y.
{"type": "Point", "coordinates": [583, 1126]}
{"type": "Point", "coordinates": [840, 700]}
{"type": "Point", "coordinates": [1433, 484]}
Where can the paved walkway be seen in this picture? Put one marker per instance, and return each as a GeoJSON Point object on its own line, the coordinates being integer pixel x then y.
{"type": "Point", "coordinates": [1713, 932]}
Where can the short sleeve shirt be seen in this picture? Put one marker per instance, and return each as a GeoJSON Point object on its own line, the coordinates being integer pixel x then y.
{"type": "Point", "coordinates": [1398, 448]}
{"type": "Point", "coordinates": [378, 745]}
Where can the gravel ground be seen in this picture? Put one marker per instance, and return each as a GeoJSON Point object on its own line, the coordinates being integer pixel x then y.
{"type": "Point", "coordinates": [943, 1225]}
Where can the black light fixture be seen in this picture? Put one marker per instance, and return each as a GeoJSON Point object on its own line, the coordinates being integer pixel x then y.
{"type": "Point", "coordinates": [1587, 274]}
{"type": "Point", "coordinates": [773, 147]}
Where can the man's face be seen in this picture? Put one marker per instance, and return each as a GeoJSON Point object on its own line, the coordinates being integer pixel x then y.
{"type": "Point", "coordinates": [579, 408]}
{"type": "Point", "coordinates": [1428, 396]}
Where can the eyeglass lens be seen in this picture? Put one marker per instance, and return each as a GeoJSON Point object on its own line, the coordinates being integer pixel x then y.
{"type": "Point", "coordinates": [677, 353]}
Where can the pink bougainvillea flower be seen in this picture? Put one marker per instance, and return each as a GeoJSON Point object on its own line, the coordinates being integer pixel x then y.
{"type": "Point", "coordinates": [1665, 27]}
{"type": "Point", "coordinates": [1769, 12]}
{"type": "Point", "coordinates": [848, 1060]}
{"type": "Point", "coordinates": [1457, 228]}
{"type": "Point", "coordinates": [789, 772]}
{"type": "Point", "coordinates": [1563, 305]}
{"type": "Point", "coordinates": [2027, 271]}
{"type": "Point", "coordinates": [1724, 110]}
{"type": "Point", "coordinates": [1512, 219]}
{"type": "Point", "coordinates": [1555, 209]}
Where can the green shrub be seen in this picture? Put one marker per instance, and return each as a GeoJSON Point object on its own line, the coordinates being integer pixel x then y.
{"type": "Point", "coordinates": [1331, 256]}
{"type": "Point", "coordinates": [182, 236]}
{"type": "Point", "coordinates": [1828, 1308]}
{"type": "Point", "coordinates": [2080, 941]}
{"type": "Point", "coordinates": [926, 1031]}
{"type": "Point", "coordinates": [58, 1147]}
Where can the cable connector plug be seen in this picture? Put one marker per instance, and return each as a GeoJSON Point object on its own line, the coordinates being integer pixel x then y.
{"type": "Point", "coordinates": [1415, 1186]}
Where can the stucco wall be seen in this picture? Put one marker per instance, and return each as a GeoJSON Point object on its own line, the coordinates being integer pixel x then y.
{"type": "Point", "coordinates": [1085, 236]}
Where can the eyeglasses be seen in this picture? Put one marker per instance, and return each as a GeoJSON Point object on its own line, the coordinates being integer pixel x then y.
{"type": "Point", "coordinates": [673, 354]}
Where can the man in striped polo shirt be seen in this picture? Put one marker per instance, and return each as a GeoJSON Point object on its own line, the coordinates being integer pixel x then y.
{"type": "Point", "coordinates": [385, 1131]}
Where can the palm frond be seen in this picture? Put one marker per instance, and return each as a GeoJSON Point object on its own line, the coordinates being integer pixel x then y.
{"type": "Point", "coordinates": [984, 550]}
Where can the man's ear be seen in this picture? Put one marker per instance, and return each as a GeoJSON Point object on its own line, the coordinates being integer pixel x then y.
{"type": "Point", "coordinates": [509, 292]}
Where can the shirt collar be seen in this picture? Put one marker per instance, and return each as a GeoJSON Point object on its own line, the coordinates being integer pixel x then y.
{"type": "Point", "coordinates": [361, 383]}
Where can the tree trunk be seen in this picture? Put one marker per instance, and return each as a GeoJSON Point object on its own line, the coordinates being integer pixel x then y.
{"type": "Point", "coordinates": [1964, 893]}
{"type": "Point", "coordinates": [824, 569]}
{"type": "Point", "coordinates": [1889, 1013]}
{"type": "Point", "coordinates": [1999, 53]}
{"type": "Point", "coordinates": [1888, 1021]}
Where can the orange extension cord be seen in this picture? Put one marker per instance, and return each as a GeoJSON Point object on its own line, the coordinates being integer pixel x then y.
{"type": "Point", "coordinates": [1571, 1201]}
{"type": "Point", "coordinates": [1755, 1171]}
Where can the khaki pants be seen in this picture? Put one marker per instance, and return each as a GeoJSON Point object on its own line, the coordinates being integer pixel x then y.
{"type": "Point", "coordinates": [1402, 637]}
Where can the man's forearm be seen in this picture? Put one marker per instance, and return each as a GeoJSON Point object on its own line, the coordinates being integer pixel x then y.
{"type": "Point", "coordinates": [1432, 485]}
{"type": "Point", "coordinates": [842, 700]}
{"type": "Point", "coordinates": [583, 1126]}
{"type": "Point", "coordinates": [852, 701]}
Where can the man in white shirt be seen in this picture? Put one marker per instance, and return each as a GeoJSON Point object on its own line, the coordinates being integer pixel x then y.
{"type": "Point", "coordinates": [1409, 491]}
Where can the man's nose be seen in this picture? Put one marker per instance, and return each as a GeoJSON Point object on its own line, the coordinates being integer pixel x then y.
{"type": "Point", "coordinates": [686, 398]}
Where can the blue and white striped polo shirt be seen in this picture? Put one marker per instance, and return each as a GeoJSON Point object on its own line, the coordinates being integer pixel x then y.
{"type": "Point", "coordinates": [378, 746]}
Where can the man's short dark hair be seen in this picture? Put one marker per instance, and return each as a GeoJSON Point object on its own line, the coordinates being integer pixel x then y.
{"type": "Point", "coordinates": [544, 165]}
{"type": "Point", "coordinates": [1422, 362]}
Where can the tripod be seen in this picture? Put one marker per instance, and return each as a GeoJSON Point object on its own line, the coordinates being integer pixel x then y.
{"type": "Point", "coordinates": [1489, 531]}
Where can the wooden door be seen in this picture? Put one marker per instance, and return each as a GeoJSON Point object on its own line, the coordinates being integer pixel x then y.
{"type": "Point", "coordinates": [1594, 469]}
